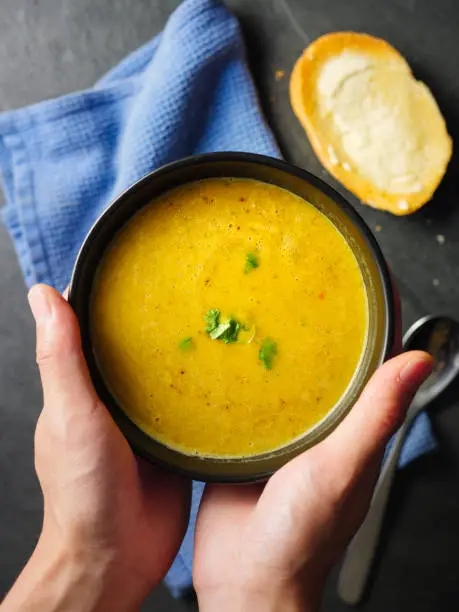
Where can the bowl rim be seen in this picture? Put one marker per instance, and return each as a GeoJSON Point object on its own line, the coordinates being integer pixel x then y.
{"type": "Point", "coordinates": [266, 161]}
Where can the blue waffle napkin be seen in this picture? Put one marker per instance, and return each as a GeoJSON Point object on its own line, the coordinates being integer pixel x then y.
{"type": "Point", "coordinates": [187, 91]}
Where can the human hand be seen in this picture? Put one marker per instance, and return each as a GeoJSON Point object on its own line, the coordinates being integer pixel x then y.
{"type": "Point", "coordinates": [112, 523]}
{"type": "Point", "coordinates": [270, 548]}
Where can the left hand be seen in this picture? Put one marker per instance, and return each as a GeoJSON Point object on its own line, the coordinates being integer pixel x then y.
{"type": "Point", "coordinates": [112, 523]}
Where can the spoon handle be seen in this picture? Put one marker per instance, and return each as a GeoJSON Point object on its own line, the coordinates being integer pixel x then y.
{"type": "Point", "coordinates": [361, 551]}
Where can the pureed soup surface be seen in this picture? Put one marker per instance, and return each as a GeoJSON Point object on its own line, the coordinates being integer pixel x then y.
{"type": "Point", "coordinates": [228, 317]}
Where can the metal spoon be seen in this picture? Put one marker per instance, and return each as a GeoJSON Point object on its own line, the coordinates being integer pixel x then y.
{"type": "Point", "coordinates": [439, 336]}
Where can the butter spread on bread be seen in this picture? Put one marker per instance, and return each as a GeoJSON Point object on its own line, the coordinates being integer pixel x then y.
{"type": "Point", "coordinates": [374, 127]}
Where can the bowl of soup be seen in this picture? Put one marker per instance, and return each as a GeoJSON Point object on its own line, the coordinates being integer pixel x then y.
{"type": "Point", "coordinates": [232, 307]}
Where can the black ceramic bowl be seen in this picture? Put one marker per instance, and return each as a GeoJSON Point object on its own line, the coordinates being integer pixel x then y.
{"type": "Point", "coordinates": [330, 203]}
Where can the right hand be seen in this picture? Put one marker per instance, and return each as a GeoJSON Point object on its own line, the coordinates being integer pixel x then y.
{"type": "Point", "coordinates": [269, 548]}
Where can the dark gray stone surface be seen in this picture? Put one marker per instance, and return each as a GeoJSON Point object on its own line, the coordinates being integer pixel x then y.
{"type": "Point", "coordinates": [51, 47]}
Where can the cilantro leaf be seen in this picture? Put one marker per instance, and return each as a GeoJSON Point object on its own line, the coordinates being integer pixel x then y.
{"type": "Point", "coordinates": [267, 352]}
{"type": "Point", "coordinates": [227, 331]}
{"type": "Point", "coordinates": [212, 318]}
{"type": "Point", "coordinates": [221, 328]}
{"type": "Point", "coordinates": [186, 344]}
{"type": "Point", "coordinates": [251, 262]}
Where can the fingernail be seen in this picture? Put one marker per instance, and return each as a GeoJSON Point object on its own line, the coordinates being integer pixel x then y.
{"type": "Point", "coordinates": [39, 303]}
{"type": "Point", "coordinates": [416, 371]}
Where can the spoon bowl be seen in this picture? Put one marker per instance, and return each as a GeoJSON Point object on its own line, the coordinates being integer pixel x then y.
{"type": "Point", "coordinates": [438, 336]}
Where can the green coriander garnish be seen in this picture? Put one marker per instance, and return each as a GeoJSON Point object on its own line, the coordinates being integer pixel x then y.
{"type": "Point", "coordinates": [227, 331]}
{"type": "Point", "coordinates": [212, 318]}
{"type": "Point", "coordinates": [267, 352]}
{"type": "Point", "coordinates": [251, 262]}
{"type": "Point", "coordinates": [186, 344]}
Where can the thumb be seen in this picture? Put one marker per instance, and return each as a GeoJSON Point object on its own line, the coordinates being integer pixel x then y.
{"type": "Point", "coordinates": [63, 370]}
{"type": "Point", "coordinates": [362, 436]}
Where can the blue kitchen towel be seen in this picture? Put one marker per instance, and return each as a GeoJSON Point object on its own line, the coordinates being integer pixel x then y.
{"type": "Point", "coordinates": [187, 91]}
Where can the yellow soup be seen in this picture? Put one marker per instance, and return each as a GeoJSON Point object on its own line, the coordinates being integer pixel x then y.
{"type": "Point", "coordinates": [228, 317]}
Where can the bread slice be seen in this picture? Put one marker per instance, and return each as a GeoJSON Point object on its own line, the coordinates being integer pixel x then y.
{"type": "Point", "coordinates": [372, 125]}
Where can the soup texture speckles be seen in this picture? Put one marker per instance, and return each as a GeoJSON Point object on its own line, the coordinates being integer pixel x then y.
{"type": "Point", "coordinates": [262, 257]}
